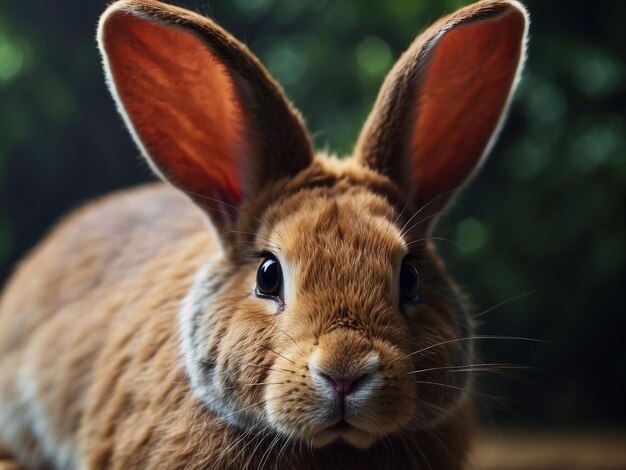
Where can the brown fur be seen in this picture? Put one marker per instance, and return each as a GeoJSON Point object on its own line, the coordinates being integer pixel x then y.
{"type": "Point", "coordinates": [101, 367]}
{"type": "Point", "coordinates": [115, 379]}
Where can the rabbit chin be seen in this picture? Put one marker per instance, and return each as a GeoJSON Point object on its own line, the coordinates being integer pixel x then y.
{"type": "Point", "coordinates": [349, 434]}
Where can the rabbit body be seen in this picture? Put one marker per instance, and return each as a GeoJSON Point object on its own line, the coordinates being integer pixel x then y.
{"type": "Point", "coordinates": [91, 377]}
{"type": "Point", "coordinates": [274, 308]}
{"type": "Point", "coordinates": [55, 326]}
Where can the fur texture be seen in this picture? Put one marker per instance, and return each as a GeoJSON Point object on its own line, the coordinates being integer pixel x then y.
{"type": "Point", "coordinates": [134, 336]}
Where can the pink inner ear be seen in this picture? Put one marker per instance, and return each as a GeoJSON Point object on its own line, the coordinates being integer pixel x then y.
{"type": "Point", "coordinates": [466, 86]}
{"type": "Point", "coordinates": [181, 103]}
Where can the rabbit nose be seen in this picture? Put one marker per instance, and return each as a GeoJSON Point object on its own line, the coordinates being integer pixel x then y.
{"type": "Point", "coordinates": [342, 385]}
{"type": "Point", "coordinates": [343, 381]}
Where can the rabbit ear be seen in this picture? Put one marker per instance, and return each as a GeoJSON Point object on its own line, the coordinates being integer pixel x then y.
{"type": "Point", "coordinates": [200, 106]}
{"type": "Point", "coordinates": [442, 105]}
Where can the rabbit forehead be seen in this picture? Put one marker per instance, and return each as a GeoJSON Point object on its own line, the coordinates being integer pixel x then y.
{"type": "Point", "coordinates": [346, 224]}
{"type": "Point", "coordinates": [340, 245]}
{"type": "Point", "coordinates": [342, 221]}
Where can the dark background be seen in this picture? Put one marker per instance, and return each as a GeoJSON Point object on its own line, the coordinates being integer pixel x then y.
{"type": "Point", "coordinates": [542, 226]}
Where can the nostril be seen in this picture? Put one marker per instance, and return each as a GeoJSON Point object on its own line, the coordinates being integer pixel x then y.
{"type": "Point", "coordinates": [342, 385]}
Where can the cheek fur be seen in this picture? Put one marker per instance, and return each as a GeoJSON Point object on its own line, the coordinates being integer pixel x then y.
{"type": "Point", "coordinates": [434, 360]}
{"type": "Point", "coordinates": [226, 342]}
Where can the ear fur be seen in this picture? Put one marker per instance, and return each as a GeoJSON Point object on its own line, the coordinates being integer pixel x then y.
{"type": "Point", "coordinates": [202, 109]}
{"type": "Point", "coordinates": [442, 105]}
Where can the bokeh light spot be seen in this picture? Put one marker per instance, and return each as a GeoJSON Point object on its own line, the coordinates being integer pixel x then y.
{"type": "Point", "coordinates": [11, 59]}
{"type": "Point", "coordinates": [471, 235]}
{"type": "Point", "coordinates": [374, 56]}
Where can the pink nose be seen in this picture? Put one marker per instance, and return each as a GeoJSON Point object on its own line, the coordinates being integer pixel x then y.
{"type": "Point", "coordinates": [342, 385]}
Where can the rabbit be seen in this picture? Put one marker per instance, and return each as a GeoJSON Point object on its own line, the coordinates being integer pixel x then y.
{"type": "Point", "coordinates": [265, 306]}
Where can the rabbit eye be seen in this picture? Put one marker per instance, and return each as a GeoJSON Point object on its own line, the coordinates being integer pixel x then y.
{"type": "Point", "coordinates": [409, 283]}
{"type": "Point", "coordinates": [269, 277]}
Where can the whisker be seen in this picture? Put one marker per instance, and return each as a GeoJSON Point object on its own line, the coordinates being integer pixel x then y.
{"type": "Point", "coordinates": [268, 367]}
{"type": "Point", "coordinates": [285, 333]}
{"type": "Point", "coordinates": [221, 202]}
{"type": "Point", "coordinates": [440, 409]}
{"type": "Point", "coordinates": [254, 234]}
{"type": "Point", "coordinates": [248, 444]}
{"type": "Point", "coordinates": [402, 235]}
{"type": "Point", "coordinates": [247, 434]}
{"type": "Point", "coordinates": [425, 206]}
{"type": "Point", "coordinates": [268, 451]}
{"type": "Point", "coordinates": [517, 297]}
{"type": "Point", "coordinates": [423, 455]}
{"type": "Point", "coordinates": [440, 385]}
{"type": "Point", "coordinates": [256, 384]}
{"type": "Point", "coordinates": [469, 338]}
{"type": "Point", "coordinates": [244, 242]}
{"type": "Point", "coordinates": [464, 389]}
{"type": "Point", "coordinates": [243, 409]}
{"type": "Point", "coordinates": [433, 434]}
{"type": "Point", "coordinates": [412, 242]}
{"type": "Point", "coordinates": [407, 435]}
{"type": "Point", "coordinates": [235, 443]}
{"type": "Point", "coordinates": [395, 222]}
{"type": "Point", "coordinates": [265, 435]}
{"type": "Point", "coordinates": [525, 378]}
{"type": "Point", "coordinates": [278, 354]}
{"type": "Point", "coordinates": [470, 367]}
{"type": "Point", "coordinates": [214, 209]}
{"type": "Point", "coordinates": [288, 440]}
{"type": "Point", "coordinates": [497, 368]}
{"type": "Point", "coordinates": [444, 413]}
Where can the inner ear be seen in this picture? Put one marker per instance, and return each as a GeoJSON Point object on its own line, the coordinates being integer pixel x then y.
{"type": "Point", "coordinates": [204, 111]}
{"type": "Point", "coordinates": [180, 103]}
{"type": "Point", "coordinates": [441, 106]}
{"type": "Point", "coordinates": [464, 87]}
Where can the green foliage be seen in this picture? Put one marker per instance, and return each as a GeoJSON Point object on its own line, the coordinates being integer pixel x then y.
{"type": "Point", "coordinates": [545, 216]}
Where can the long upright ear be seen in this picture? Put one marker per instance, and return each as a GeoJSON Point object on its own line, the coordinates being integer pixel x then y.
{"type": "Point", "coordinates": [200, 106]}
{"type": "Point", "coordinates": [441, 106]}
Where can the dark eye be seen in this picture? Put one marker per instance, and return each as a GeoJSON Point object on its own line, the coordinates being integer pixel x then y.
{"type": "Point", "coordinates": [409, 283]}
{"type": "Point", "coordinates": [269, 277]}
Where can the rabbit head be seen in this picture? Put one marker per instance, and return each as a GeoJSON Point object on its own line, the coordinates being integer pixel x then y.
{"type": "Point", "coordinates": [326, 315]}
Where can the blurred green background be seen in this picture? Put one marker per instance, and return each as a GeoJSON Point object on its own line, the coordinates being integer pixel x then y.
{"type": "Point", "coordinates": [545, 218]}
